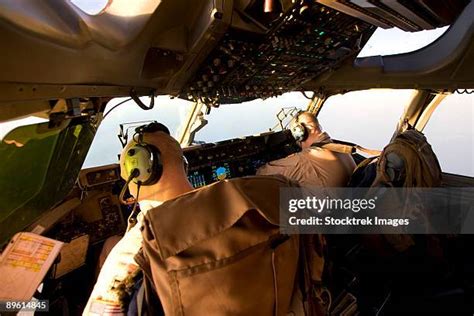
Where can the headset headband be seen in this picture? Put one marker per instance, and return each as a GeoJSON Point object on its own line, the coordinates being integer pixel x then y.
{"type": "Point", "coordinates": [152, 128]}
{"type": "Point", "coordinates": [149, 128]}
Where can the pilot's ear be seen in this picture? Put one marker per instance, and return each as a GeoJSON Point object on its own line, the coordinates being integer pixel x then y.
{"type": "Point", "coordinates": [309, 127]}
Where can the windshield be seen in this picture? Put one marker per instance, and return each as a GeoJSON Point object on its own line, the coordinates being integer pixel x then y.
{"type": "Point", "coordinates": [39, 167]}
{"type": "Point", "coordinates": [226, 122]}
{"type": "Point", "coordinates": [249, 118]}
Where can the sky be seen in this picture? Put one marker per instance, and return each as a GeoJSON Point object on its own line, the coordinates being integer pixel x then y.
{"type": "Point", "coordinates": [91, 7]}
{"type": "Point", "coordinates": [396, 41]}
{"type": "Point", "coordinates": [367, 117]}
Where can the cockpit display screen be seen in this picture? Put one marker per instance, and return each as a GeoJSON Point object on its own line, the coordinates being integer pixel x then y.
{"type": "Point", "coordinates": [197, 179]}
{"type": "Point", "coordinates": [221, 172]}
{"type": "Point", "coordinates": [210, 163]}
{"type": "Point", "coordinates": [210, 174]}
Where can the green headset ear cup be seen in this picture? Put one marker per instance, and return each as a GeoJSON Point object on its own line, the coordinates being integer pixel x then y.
{"type": "Point", "coordinates": [147, 160]}
{"type": "Point", "coordinates": [157, 167]}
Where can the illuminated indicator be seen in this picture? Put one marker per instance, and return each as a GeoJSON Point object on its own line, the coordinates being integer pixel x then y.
{"type": "Point", "coordinates": [221, 173]}
{"type": "Point", "coordinates": [197, 180]}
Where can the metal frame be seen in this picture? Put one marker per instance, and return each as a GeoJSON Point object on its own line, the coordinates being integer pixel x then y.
{"type": "Point", "coordinates": [189, 128]}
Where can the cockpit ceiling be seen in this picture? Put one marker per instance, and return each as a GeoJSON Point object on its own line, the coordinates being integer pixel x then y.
{"type": "Point", "coordinates": [301, 42]}
{"type": "Point", "coordinates": [215, 51]}
{"type": "Point", "coordinates": [291, 49]}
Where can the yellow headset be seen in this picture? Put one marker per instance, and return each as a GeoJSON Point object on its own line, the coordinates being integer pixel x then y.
{"type": "Point", "coordinates": [142, 162]}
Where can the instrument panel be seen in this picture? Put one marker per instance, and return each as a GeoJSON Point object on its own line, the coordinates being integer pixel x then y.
{"type": "Point", "coordinates": [212, 162]}
{"type": "Point", "coordinates": [97, 176]}
{"type": "Point", "coordinates": [234, 158]}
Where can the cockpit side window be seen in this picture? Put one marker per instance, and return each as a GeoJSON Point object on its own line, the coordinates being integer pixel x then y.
{"type": "Point", "coordinates": [450, 131]}
{"type": "Point", "coordinates": [368, 118]}
{"type": "Point", "coordinates": [40, 163]}
{"type": "Point", "coordinates": [106, 145]}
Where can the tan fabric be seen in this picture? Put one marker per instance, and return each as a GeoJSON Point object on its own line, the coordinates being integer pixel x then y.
{"type": "Point", "coordinates": [313, 166]}
{"type": "Point", "coordinates": [218, 251]}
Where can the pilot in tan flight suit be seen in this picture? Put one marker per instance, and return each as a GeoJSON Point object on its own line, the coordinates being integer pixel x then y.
{"type": "Point", "coordinates": [313, 166]}
{"type": "Point", "coordinates": [216, 250]}
{"type": "Point", "coordinates": [120, 265]}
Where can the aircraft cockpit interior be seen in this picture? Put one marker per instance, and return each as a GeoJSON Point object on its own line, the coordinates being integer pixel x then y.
{"type": "Point", "coordinates": [66, 72]}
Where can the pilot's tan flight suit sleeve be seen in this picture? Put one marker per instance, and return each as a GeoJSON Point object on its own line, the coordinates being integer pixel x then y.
{"type": "Point", "coordinates": [299, 167]}
{"type": "Point", "coordinates": [313, 167]}
{"type": "Point", "coordinates": [282, 166]}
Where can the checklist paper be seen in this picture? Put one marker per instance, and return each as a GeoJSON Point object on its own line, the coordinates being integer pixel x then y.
{"type": "Point", "coordinates": [24, 263]}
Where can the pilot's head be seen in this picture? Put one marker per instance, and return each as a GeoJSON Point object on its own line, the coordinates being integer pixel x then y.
{"type": "Point", "coordinates": [306, 129]}
{"type": "Point", "coordinates": [172, 180]}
